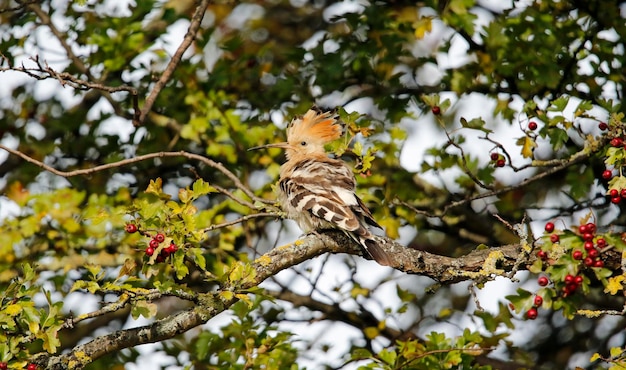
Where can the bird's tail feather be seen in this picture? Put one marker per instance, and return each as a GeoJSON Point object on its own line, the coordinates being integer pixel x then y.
{"type": "Point", "coordinates": [375, 250]}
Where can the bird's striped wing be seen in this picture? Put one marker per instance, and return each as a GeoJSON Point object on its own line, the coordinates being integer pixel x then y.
{"type": "Point", "coordinates": [324, 190]}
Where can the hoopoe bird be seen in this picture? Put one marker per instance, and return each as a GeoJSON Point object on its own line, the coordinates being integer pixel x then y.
{"type": "Point", "coordinates": [318, 192]}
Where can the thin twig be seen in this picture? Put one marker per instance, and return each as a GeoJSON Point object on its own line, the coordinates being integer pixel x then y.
{"type": "Point", "coordinates": [216, 165]}
{"type": "Point", "coordinates": [239, 220]}
{"type": "Point", "coordinates": [62, 38]}
{"type": "Point", "coordinates": [194, 26]}
{"type": "Point", "coordinates": [64, 78]}
{"type": "Point", "coordinates": [109, 308]}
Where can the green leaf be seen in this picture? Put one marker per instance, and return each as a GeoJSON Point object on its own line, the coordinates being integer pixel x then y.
{"type": "Point", "coordinates": [143, 308]}
{"type": "Point", "coordinates": [476, 124]}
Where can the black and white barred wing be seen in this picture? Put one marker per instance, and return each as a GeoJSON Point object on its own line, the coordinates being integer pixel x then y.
{"type": "Point", "coordinates": [321, 194]}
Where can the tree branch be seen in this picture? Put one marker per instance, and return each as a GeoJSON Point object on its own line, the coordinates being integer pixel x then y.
{"type": "Point", "coordinates": [190, 36]}
{"type": "Point", "coordinates": [443, 269]}
{"type": "Point", "coordinates": [209, 162]}
{"type": "Point", "coordinates": [478, 264]}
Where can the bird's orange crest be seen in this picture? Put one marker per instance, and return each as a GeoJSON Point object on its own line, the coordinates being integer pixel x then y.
{"type": "Point", "coordinates": [315, 124]}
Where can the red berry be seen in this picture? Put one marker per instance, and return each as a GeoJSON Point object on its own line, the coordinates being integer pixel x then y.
{"type": "Point", "coordinates": [578, 279]}
{"type": "Point", "coordinates": [159, 237]}
{"type": "Point", "coordinates": [532, 126]}
{"type": "Point", "coordinates": [617, 142]}
{"type": "Point", "coordinates": [436, 110]}
{"type": "Point", "coordinates": [494, 156]}
{"type": "Point", "coordinates": [149, 251]}
{"type": "Point", "coordinates": [3, 366]}
{"type": "Point", "coordinates": [591, 227]}
{"type": "Point", "coordinates": [131, 228]}
{"type": "Point", "coordinates": [538, 300]}
{"type": "Point", "coordinates": [603, 126]}
{"type": "Point", "coordinates": [571, 287]}
{"type": "Point", "coordinates": [172, 248]}
{"type": "Point", "coordinates": [549, 227]}
{"type": "Point", "coordinates": [601, 242]}
{"type": "Point", "coordinates": [31, 367]}
{"type": "Point", "coordinates": [154, 243]}
{"type": "Point", "coordinates": [577, 255]}
{"type": "Point", "coordinates": [542, 255]}
{"type": "Point", "coordinates": [588, 237]}
{"type": "Point", "coordinates": [500, 162]}
{"type": "Point", "coordinates": [588, 246]}
{"type": "Point", "coordinates": [543, 281]}
{"type": "Point", "coordinates": [165, 252]}
{"type": "Point", "coordinates": [588, 261]}
{"type": "Point", "coordinates": [531, 314]}
{"type": "Point", "coordinates": [598, 263]}
{"type": "Point", "coordinates": [607, 174]}
{"type": "Point", "coordinates": [622, 193]}
{"type": "Point", "coordinates": [160, 258]}
{"type": "Point", "coordinates": [582, 229]}
{"type": "Point", "coordinates": [593, 253]}
{"type": "Point", "coordinates": [613, 193]}
{"type": "Point", "coordinates": [616, 200]}
{"type": "Point", "coordinates": [568, 279]}
{"type": "Point", "coordinates": [554, 238]}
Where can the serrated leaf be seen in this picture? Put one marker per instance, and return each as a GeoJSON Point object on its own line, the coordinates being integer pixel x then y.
{"type": "Point", "coordinates": [143, 308]}
{"type": "Point", "coordinates": [155, 187]}
{"type": "Point", "coordinates": [198, 257]}
{"type": "Point", "coordinates": [476, 124]}
{"type": "Point", "coordinates": [558, 105]}
{"type": "Point", "coordinates": [184, 195]}
{"type": "Point", "coordinates": [614, 284]}
{"type": "Point", "coordinates": [527, 144]}
{"type": "Point", "coordinates": [51, 340]}
{"type": "Point", "coordinates": [201, 187]}
{"type": "Point", "coordinates": [13, 309]}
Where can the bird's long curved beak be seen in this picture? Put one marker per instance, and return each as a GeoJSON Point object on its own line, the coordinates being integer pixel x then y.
{"type": "Point", "coordinates": [284, 145]}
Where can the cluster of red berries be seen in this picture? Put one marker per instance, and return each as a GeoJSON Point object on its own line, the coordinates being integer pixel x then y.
{"type": "Point", "coordinates": [165, 252]}
{"type": "Point", "coordinates": [592, 250]}
{"type": "Point", "coordinates": [498, 159]}
{"type": "Point", "coordinates": [154, 244]}
{"type": "Point", "coordinates": [616, 195]}
{"type": "Point", "coordinates": [5, 366]}
{"type": "Point", "coordinates": [571, 285]}
{"type": "Point", "coordinates": [531, 314]}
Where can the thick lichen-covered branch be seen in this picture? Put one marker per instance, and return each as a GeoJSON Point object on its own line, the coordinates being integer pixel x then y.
{"type": "Point", "coordinates": [445, 270]}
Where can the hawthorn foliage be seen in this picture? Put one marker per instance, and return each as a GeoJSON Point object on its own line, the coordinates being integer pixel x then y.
{"type": "Point", "coordinates": [487, 139]}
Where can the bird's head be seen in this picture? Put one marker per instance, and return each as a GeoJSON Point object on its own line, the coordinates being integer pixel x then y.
{"type": "Point", "coordinates": [308, 134]}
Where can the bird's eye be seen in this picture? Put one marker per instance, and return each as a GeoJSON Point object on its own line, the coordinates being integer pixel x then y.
{"type": "Point", "coordinates": [303, 143]}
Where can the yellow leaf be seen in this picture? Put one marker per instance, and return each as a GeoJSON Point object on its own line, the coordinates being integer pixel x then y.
{"type": "Point", "coordinates": [527, 146]}
{"type": "Point", "coordinates": [13, 309]}
{"type": "Point", "coordinates": [371, 332]}
{"type": "Point", "coordinates": [614, 285]}
{"type": "Point", "coordinates": [359, 291]}
{"type": "Point", "coordinates": [127, 268]}
{"type": "Point", "coordinates": [17, 193]}
{"type": "Point", "coordinates": [184, 195]}
{"type": "Point", "coordinates": [445, 313]}
{"type": "Point", "coordinates": [155, 186]}
{"type": "Point", "coordinates": [391, 226]}
{"type": "Point", "coordinates": [422, 27]}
